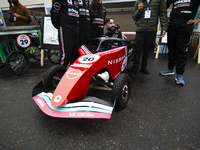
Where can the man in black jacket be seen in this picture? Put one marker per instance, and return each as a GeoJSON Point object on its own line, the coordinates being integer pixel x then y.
{"type": "Point", "coordinates": [65, 17]}
{"type": "Point", "coordinates": [179, 32]}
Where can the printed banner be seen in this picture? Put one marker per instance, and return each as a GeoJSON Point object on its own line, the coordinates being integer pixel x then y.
{"type": "Point", "coordinates": [47, 4]}
{"type": "Point", "coordinates": [194, 42]}
{"type": "Point", "coordinates": [197, 26]}
{"type": "Point", "coordinates": [2, 23]}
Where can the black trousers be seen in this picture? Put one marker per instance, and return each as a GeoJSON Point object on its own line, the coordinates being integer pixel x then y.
{"type": "Point", "coordinates": [144, 42]}
{"type": "Point", "coordinates": [97, 30]}
{"type": "Point", "coordinates": [84, 37]}
{"type": "Point", "coordinates": [69, 44]}
{"type": "Point", "coordinates": [179, 35]}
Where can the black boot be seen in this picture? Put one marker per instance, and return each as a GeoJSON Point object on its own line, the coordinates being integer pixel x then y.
{"type": "Point", "coordinates": [145, 71]}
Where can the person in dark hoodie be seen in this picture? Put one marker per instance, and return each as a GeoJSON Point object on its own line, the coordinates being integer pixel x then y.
{"type": "Point", "coordinates": [65, 17]}
{"type": "Point", "coordinates": [18, 14]}
{"type": "Point", "coordinates": [98, 14]}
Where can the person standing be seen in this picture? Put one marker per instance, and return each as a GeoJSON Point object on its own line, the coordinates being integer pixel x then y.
{"type": "Point", "coordinates": [65, 17]}
{"type": "Point", "coordinates": [84, 23]}
{"type": "Point", "coordinates": [98, 14]}
{"type": "Point", "coordinates": [146, 14]}
{"type": "Point", "coordinates": [179, 33]}
{"type": "Point", "coordinates": [18, 14]}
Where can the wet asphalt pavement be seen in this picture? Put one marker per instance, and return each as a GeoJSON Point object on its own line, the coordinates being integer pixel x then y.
{"type": "Point", "coordinates": [160, 115]}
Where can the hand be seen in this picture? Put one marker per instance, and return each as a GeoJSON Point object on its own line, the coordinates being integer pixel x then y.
{"type": "Point", "coordinates": [140, 6]}
{"type": "Point", "coordinates": [16, 15]}
{"type": "Point", "coordinates": [191, 21]}
{"type": "Point", "coordinates": [163, 33]}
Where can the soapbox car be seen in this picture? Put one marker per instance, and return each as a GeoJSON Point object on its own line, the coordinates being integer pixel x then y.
{"type": "Point", "coordinates": [63, 92]}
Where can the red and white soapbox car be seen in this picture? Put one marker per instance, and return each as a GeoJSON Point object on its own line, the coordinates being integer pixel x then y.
{"type": "Point", "coordinates": [63, 91]}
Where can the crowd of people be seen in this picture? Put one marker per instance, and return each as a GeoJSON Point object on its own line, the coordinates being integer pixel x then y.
{"type": "Point", "coordinates": [79, 21]}
{"type": "Point", "coordinates": [179, 30]}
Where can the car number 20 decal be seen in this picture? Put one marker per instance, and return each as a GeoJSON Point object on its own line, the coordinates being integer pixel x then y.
{"type": "Point", "coordinates": [23, 40]}
{"type": "Point", "coordinates": [88, 58]}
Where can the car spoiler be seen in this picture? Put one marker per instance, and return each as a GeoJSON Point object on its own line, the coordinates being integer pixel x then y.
{"type": "Point", "coordinates": [86, 107]}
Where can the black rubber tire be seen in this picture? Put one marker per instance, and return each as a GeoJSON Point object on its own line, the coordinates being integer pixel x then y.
{"type": "Point", "coordinates": [121, 91]}
{"type": "Point", "coordinates": [17, 62]}
{"type": "Point", "coordinates": [52, 76]}
{"type": "Point", "coordinates": [54, 56]}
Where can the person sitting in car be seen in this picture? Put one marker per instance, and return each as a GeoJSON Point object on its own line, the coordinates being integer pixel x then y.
{"type": "Point", "coordinates": [112, 30]}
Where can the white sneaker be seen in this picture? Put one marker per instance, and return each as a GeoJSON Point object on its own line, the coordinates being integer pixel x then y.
{"type": "Point", "coordinates": [104, 76]}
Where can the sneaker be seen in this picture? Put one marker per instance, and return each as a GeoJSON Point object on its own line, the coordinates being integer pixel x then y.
{"type": "Point", "coordinates": [179, 79]}
{"type": "Point", "coordinates": [104, 76]}
{"type": "Point", "coordinates": [132, 73]}
{"type": "Point", "coordinates": [145, 71]}
{"type": "Point", "coordinates": [167, 72]}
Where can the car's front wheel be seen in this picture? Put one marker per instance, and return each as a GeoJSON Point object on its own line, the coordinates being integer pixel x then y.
{"type": "Point", "coordinates": [53, 76]}
{"type": "Point", "coordinates": [121, 91]}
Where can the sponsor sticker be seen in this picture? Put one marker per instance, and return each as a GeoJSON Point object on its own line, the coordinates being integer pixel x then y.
{"type": "Point", "coordinates": [115, 61]}
{"type": "Point", "coordinates": [130, 51]}
{"type": "Point", "coordinates": [73, 12]}
{"type": "Point", "coordinates": [40, 102]}
{"type": "Point", "coordinates": [81, 65]}
{"type": "Point", "coordinates": [186, 12]}
{"type": "Point", "coordinates": [124, 63]}
{"type": "Point", "coordinates": [76, 3]}
{"type": "Point", "coordinates": [56, 6]}
{"type": "Point", "coordinates": [69, 2]}
{"type": "Point", "coordinates": [87, 3]}
{"type": "Point", "coordinates": [57, 99]}
{"type": "Point", "coordinates": [81, 114]}
{"type": "Point", "coordinates": [80, 2]}
{"type": "Point", "coordinates": [73, 74]}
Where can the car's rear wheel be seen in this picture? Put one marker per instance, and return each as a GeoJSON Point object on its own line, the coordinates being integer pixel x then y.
{"type": "Point", "coordinates": [54, 56]}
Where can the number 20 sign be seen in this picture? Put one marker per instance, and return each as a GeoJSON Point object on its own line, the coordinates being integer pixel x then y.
{"type": "Point", "coordinates": [23, 40]}
{"type": "Point", "coordinates": [88, 58]}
